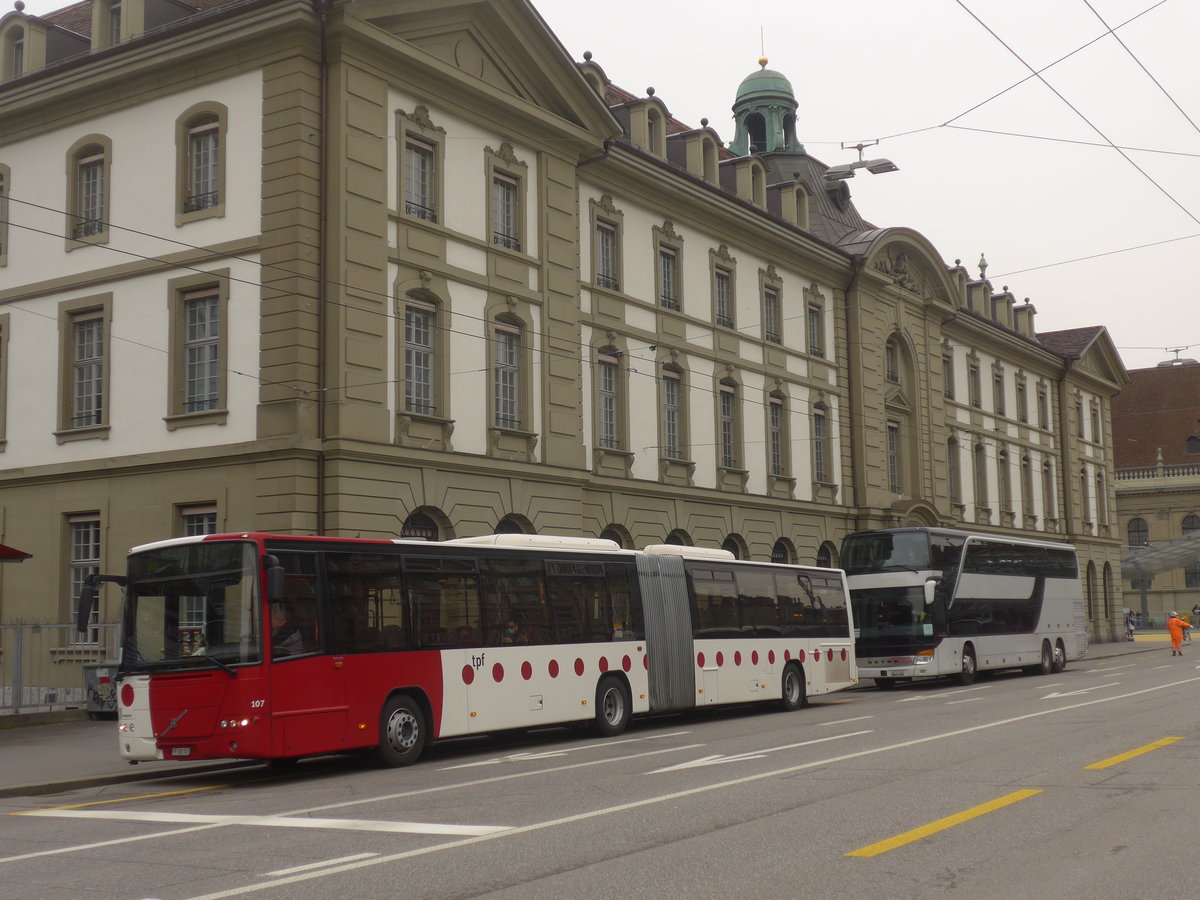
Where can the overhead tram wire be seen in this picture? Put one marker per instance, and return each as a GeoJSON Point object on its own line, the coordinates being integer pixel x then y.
{"type": "Point", "coordinates": [1141, 66]}
{"type": "Point", "coordinates": [1077, 112]}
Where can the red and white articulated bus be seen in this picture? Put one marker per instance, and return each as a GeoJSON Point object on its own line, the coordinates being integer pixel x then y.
{"type": "Point", "coordinates": [274, 647]}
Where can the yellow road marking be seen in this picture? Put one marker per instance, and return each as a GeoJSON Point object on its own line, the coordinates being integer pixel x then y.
{"type": "Point", "coordinates": [925, 831]}
{"type": "Point", "coordinates": [1120, 758]}
{"type": "Point", "coordinates": [211, 787]}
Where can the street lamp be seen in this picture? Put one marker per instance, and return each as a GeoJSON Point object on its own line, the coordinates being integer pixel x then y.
{"type": "Point", "coordinates": [874, 166]}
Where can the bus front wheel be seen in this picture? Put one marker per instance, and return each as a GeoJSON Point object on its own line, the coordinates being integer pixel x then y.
{"type": "Point", "coordinates": [795, 694]}
{"type": "Point", "coordinates": [969, 668]}
{"type": "Point", "coordinates": [401, 731]}
{"type": "Point", "coordinates": [612, 707]}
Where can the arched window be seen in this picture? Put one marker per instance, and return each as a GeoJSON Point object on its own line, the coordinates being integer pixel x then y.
{"type": "Point", "coordinates": [708, 149]}
{"type": "Point", "coordinates": [1139, 533]}
{"type": "Point", "coordinates": [756, 128]}
{"type": "Point", "coordinates": [419, 525]}
{"type": "Point", "coordinates": [513, 524]}
{"type": "Point", "coordinates": [14, 53]}
{"type": "Point", "coordinates": [827, 555]}
{"type": "Point", "coordinates": [656, 132]}
{"type": "Point", "coordinates": [679, 538]}
{"type": "Point", "coordinates": [735, 545]}
{"type": "Point", "coordinates": [88, 211]}
{"type": "Point", "coordinates": [618, 536]}
{"type": "Point", "coordinates": [783, 552]}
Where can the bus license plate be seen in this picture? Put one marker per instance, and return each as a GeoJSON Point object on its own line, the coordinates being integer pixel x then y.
{"type": "Point", "coordinates": [181, 751]}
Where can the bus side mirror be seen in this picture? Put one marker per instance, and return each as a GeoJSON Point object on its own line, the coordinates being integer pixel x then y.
{"type": "Point", "coordinates": [87, 600]}
{"type": "Point", "coordinates": [930, 587]}
{"type": "Point", "coordinates": [274, 580]}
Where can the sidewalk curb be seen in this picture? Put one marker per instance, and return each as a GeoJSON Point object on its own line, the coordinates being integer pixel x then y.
{"type": "Point", "coordinates": [74, 784]}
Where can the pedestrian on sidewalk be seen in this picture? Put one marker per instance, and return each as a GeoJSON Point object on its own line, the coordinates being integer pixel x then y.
{"type": "Point", "coordinates": [1129, 624]}
{"type": "Point", "coordinates": [1176, 626]}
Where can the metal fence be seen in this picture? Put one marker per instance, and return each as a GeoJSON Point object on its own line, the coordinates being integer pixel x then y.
{"type": "Point", "coordinates": [44, 667]}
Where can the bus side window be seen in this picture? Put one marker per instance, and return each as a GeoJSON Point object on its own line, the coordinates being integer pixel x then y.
{"type": "Point", "coordinates": [514, 601]}
{"type": "Point", "coordinates": [366, 603]}
{"type": "Point", "coordinates": [444, 594]}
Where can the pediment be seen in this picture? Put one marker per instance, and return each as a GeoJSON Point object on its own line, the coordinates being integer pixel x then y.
{"type": "Point", "coordinates": [897, 400]}
{"type": "Point", "coordinates": [502, 43]}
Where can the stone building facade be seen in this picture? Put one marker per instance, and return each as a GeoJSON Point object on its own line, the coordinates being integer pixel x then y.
{"type": "Point", "coordinates": [384, 268]}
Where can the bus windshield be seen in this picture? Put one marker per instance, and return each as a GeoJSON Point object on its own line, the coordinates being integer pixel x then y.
{"type": "Point", "coordinates": [192, 605]}
{"type": "Point", "coordinates": [893, 612]}
{"type": "Point", "coordinates": [907, 551]}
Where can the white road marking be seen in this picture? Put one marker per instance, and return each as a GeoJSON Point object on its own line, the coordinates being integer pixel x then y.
{"type": "Point", "coordinates": [844, 721]}
{"type": "Point", "coordinates": [940, 694]}
{"type": "Point", "coordinates": [1054, 695]}
{"type": "Point", "coordinates": [318, 865]}
{"type": "Point", "coordinates": [720, 759]}
{"type": "Point", "coordinates": [345, 803]}
{"type": "Point", "coordinates": [968, 700]}
{"type": "Point", "coordinates": [269, 821]}
{"type": "Point", "coordinates": [676, 795]}
{"type": "Point", "coordinates": [551, 754]}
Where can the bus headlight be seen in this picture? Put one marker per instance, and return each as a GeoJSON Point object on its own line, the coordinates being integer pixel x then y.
{"type": "Point", "coordinates": [924, 658]}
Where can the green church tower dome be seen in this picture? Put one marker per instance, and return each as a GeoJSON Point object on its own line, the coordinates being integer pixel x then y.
{"type": "Point", "coordinates": [764, 83]}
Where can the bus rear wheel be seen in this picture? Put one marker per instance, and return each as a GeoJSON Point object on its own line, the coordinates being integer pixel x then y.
{"type": "Point", "coordinates": [1060, 658]}
{"type": "Point", "coordinates": [969, 667]}
{"type": "Point", "coordinates": [795, 694]}
{"type": "Point", "coordinates": [1046, 665]}
{"type": "Point", "coordinates": [612, 707]}
{"type": "Point", "coordinates": [401, 732]}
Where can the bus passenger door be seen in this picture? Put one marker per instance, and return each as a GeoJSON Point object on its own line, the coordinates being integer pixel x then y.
{"type": "Point", "coordinates": [308, 687]}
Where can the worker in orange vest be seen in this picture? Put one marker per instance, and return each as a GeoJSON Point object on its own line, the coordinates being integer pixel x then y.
{"type": "Point", "coordinates": [1176, 626]}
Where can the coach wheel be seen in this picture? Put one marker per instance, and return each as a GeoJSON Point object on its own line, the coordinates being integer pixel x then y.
{"type": "Point", "coordinates": [794, 691]}
{"type": "Point", "coordinates": [612, 707]}
{"type": "Point", "coordinates": [401, 732]}
{"type": "Point", "coordinates": [969, 668]}
{"type": "Point", "coordinates": [1060, 658]}
{"type": "Point", "coordinates": [885, 684]}
{"type": "Point", "coordinates": [1046, 665]}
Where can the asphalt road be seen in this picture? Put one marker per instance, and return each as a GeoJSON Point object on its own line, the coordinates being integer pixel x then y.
{"type": "Point", "coordinates": [1078, 785]}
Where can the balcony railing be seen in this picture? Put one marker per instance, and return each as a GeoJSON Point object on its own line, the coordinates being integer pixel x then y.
{"type": "Point", "coordinates": [507, 241]}
{"type": "Point", "coordinates": [1185, 470]}
{"type": "Point", "coordinates": [668, 301]}
{"type": "Point", "coordinates": [607, 281]}
{"type": "Point", "coordinates": [417, 211]}
{"type": "Point", "coordinates": [197, 202]}
{"type": "Point", "coordinates": [87, 228]}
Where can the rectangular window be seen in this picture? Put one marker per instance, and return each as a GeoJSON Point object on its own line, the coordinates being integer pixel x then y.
{"type": "Point", "coordinates": [1097, 432]}
{"type": "Point", "coordinates": [606, 256]}
{"type": "Point", "coordinates": [505, 221]}
{"type": "Point", "coordinates": [667, 295]}
{"type": "Point", "coordinates": [419, 162]}
{"type": "Point", "coordinates": [202, 351]}
{"type": "Point", "coordinates": [776, 435]}
{"type": "Point", "coordinates": [998, 393]}
{"type": "Point", "coordinates": [90, 212]}
{"type": "Point", "coordinates": [728, 401]}
{"type": "Point", "coordinates": [607, 373]}
{"type": "Point", "coordinates": [204, 161]}
{"type": "Point", "coordinates": [819, 436]}
{"type": "Point", "coordinates": [891, 369]}
{"type": "Point", "coordinates": [973, 388]}
{"type": "Point", "coordinates": [507, 377]}
{"type": "Point", "coordinates": [1048, 494]}
{"type": "Point", "coordinates": [1043, 408]}
{"type": "Point", "coordinates": [18, 58]}
{"type": "Point", "coordinates": [87, 343]}
{"type": "Point", "coordinates": [1022, 402]}
{"type": "Point", "coordinates": [114, 23]}
{"type": "Point", "coordinates": [952, 471]}
{"type": "Point", "coordinates": [198, 520]}
{"type": "Point", "coordinates": [816, 338]}
{"type": "Point", "coordinates": [893, 456]}
{"type": "Point", "coordinates": [419, 322]}
{"type": "Point", "coordinates": [3, 215]}
{"type": "Point", "coordinates": [84, 539]}
{"type": "Point", "coordinates": [722, 289]}
{"type": "Point", "coordinates": [670, 416]}
{"type": "Point", "coordinates": [771, 315]}
{"type": "Point", "coordinates": [948, 377]}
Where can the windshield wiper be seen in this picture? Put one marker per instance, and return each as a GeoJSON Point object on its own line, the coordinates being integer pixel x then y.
{"type": "Point", "coordinates": [212, 659]}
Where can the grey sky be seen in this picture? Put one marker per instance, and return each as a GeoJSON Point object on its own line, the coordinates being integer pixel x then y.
{"type": "Point", "coordinates": [913, 73]}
